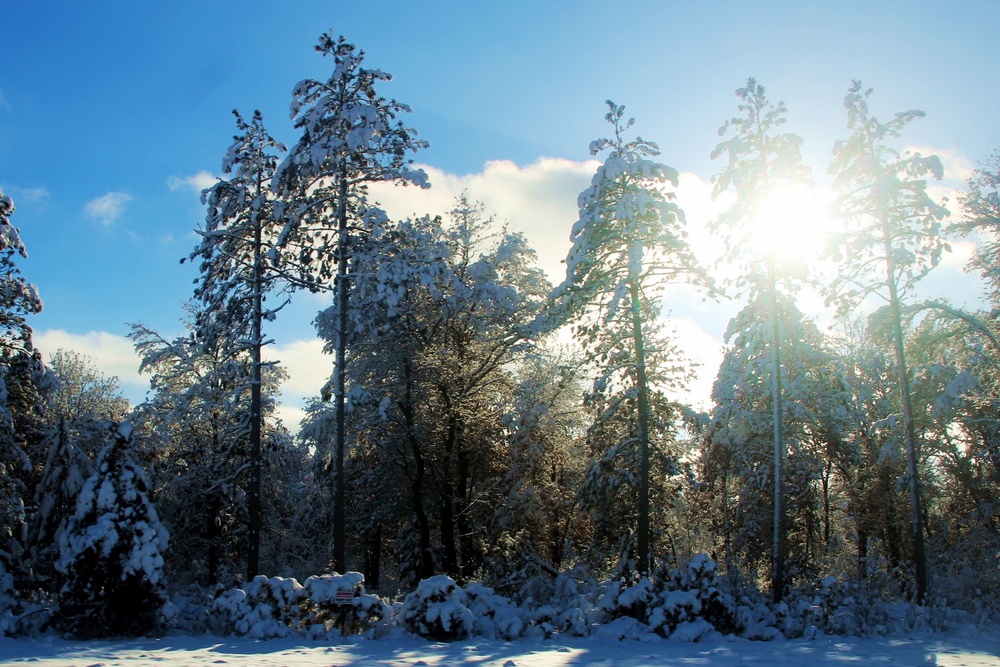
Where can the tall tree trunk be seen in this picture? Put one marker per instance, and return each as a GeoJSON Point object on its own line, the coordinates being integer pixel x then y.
{"type": "Point", "coordinates": [426, 567]}
{"type": "Point", "coordinates": [373, 559]}
{"type": "Point", "coordinates": [212, 529]}
{"type": "Point", "coordinates": [463, 520]}
{"type": "Point", "coordinates": [253, 500]}
{"type": "Point", "coordinates": [642, 546]}
{"type": "Point", "coordinates": [340, 384]}
{"type": "Point", "coordinates": [448, 538]}
{"type": "Point", "coordinates": [778, 541]}
{"type": "Point", "coordinates": [909, 430]}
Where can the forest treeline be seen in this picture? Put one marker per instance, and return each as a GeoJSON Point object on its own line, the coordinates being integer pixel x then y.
{"type": "Point", "coordinates": [457, 435]}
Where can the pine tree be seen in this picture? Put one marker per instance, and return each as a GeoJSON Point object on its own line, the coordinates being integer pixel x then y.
{"type": "Point", "coordinates": [240, 268]}
{"type": "Point", "coordinates": [77, 411]}
{"type": "Point", "coordinates": [112, 551]}
{"type": "Point", "coordinates": [761, 161]}
{"type": "Point", "coordinates": [628, 243]}
{"type": "Point", "coordinates": [350, 138]}
{"type": "Point", "coordinates": [198, 418]}
{"type": "Point", "coordinates": [892, 240]}
{"type": "Point", "coordinates": [738, 458]}
{"type": "Point", "coordinates": [22, 376]}
{"type": "Point", "coordinates": [18, 298]}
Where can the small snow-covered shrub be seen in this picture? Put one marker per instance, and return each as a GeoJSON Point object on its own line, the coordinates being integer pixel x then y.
{"type": "Point", "coordinates": [568, 605]}
{"type": "Point", "coordinates": [756, 620]}
{"type": "Point", "coordinates": [620, 600]}
{"type": "Point", "coordinates": [111, 557]}
{"type": "Point", "coordinates": [684, 603]}
{"type": "Point", "coordinates": [8, 603]}
{"type": "Point", "coordinates": [189, 610]}
{"type": "Point", "coordinates": [274, 607]}
{"type": "Point", "coordinates": [364, 614]}
{"type": "Point", "coordinates": [495, 616]}
{"type": "Point", "coordinates": [438, 610]}
{"type": "Point", "coordinates": [692, 592]}
{"type": "Point", "coordinates": [845, 606]}
{"type": "Point", "coordinates": [265, 608]}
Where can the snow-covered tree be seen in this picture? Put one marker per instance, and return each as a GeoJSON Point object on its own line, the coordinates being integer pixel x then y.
{"type": "Point", "coordinates": [738, 458]}
{"type": "Point", "coordinates": [198, 419]}
{"type": "Point", "coordinates": [535, 527]}
{"type": "Point", "coordinates": [628, 244]}
{"type": "Point", "coordinates": [21, 376]}
{"type": "Point", "coordinates": [24, 439]}
{"type": "Point", "coordinates": [112, 551]}
{"type": "Point", "coordinates": [239, 269]}
{"type": "Point", "coordinates": [77, 411]}
{"type": "Point", "coordinates": [981, 217]}
{"type": "Point", "coordinates": [18, 298]}
{"type": "Point", "coordinates": [83, 392]}
{"type": "Point", "coordinates": [438, 313]}
{"type": "Point", "coordinates": [760, 161]}
{"type": "Point", "coordinates": [891, 239]}
{"type": "Point", "coordinates": [350, 138]}
{"type": "Point", "coordinates": [608, 491]}
{"type": "Point", "coordinates": [954, 381]}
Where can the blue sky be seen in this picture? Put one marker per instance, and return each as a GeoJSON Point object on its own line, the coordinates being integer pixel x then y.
{"type": "Point", "coordinates": [113, 113]}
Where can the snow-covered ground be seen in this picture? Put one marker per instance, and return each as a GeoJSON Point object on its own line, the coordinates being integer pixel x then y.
{"type": "Point", "coordinates": [967, 647]}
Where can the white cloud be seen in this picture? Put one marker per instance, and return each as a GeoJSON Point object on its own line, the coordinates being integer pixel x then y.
{"type": "Point", "coordinates": [957, 167]}
{"type": "Point", "coordinates": [195, 183]}
{"type": "Point", "coordinates": [538, 200]}
{"type": "Point", "coordinates": [308, 368]}
{"type": "Point", "coordinates": [705, 351]}
{"type": "Point", "coordinates": [114, 355]}
{"type": "Point", "coordinates": [22, 195]}
{"type": "Point", "coordinates": [107, 208]}
{"type": "Point", "coordinates": [291, 417]}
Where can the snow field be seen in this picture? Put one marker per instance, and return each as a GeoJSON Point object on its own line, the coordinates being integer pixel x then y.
{"type": "Point", "coordinates": [964, 646]}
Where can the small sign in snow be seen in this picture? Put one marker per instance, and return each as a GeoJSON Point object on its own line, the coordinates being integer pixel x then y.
{"type": "Point", "coordinates": [343, 597]}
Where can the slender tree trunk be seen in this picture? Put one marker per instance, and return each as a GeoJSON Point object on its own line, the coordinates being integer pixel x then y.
{"type": "Point", "coordinates": [373, 559]}
{"type": "Point", "coordinates": [726, 526]}
{"type": "Point", "coordinates": [448, 539]}
{"type": "Point", "coordinates": [340, 385]}
{"type": "Point", "coordinates": [642, 546]}
{"type": "Point", "coordinates": [213, 542]}
{"type": "Point", "coordinates": [463, 519]}
{"type": "Point", "coordinates": [253, 501]}
{"type": "Point", "coordinates": [778, 543]}
{"type": "Point", "coordinates": [916, 520]}
{"type": "Point", "coordinates": [826, 507]}
{"type": "Point", "coordinates": [426, 567]}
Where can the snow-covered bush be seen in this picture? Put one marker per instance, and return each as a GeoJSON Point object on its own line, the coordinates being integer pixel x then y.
{"type": "Point", "coordinates": [756, 620]}
{"type": "Point", "coordinates": [685, 603]}
{"type": "Point", "coordinates": [846, 606]}
{"type": "Point", "coordinates": [495, 616]}
{"type": "Point", "coordinates": [323, 612]}
{"type": "Point", "coordinates": [693, 591]}
{"type": "Point", "coordinates": [438, 610]}
{"type": "Point", "coordinates": [19, 616]}
{"type": "Point", "coordinates": [111, 553]}
{"type": "Point", "coordinates": [8, 604]}
{"type": "Point", "coordinates": [570, 607]}
{"type": "Point", "coordinates": [273, 607]}
{"type": "Point", "coordinates": [264, 608]}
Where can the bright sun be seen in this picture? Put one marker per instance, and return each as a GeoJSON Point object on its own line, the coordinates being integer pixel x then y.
{"type": "Point", "coordinates": [791, 223]}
